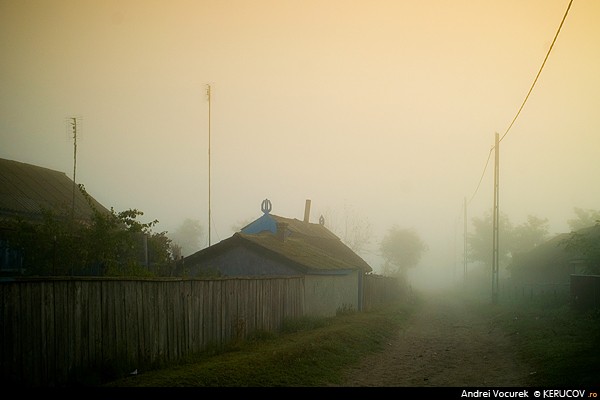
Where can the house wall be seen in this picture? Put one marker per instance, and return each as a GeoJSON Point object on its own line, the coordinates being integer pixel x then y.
{"type": "Point", "coordinates": [324, 295]}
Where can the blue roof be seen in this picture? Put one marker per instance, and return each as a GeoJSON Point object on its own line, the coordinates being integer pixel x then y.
{"type": "Point", "coordinates": [262, 224]}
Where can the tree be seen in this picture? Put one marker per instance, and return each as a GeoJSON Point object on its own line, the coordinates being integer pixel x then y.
{"type": "Point", "coordinates": [480, 240]}
{"type": "Point", "coordinates": [187, 237]}
{"type": "Point", "coordinates": [107, 244]}
{"type": "Point", "coordinates": [354, 230]}
{"type": "Point", "coordinates": [45, 246]}
{"type": "Point", "coordinates": [116, 242]}
{"type": "Point", "coordinates": [585, 243]}
{"type": "Point", "coordinates": [512, 240]}
{"type": "Point", "coordinates": [528, 235]}
{"type": "Point", "coordinates": [584, 219]}
{"type": "Point", "coordinates": [401, 249]}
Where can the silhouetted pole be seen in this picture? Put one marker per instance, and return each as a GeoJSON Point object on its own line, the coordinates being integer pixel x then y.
{"type": "Point", "coordinates": [72, 227]}
{"type": "Point", "coordinates": [496, 222]}
{"type": "Point", "coordinates": [209, 220]}
{"type": "Point", "coordinates": [465, 243]}
{"type": "Point", "coordinates": [74, 127]}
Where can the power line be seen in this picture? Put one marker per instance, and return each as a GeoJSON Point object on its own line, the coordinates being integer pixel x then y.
{"type": "Point", "coordinates": [482, 175]}
{"type": "Point", "coordinates": [540, 71]}
{"type": "Point", "coordinates": [526, 97]}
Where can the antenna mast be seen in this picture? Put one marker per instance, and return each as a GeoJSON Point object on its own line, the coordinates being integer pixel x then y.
{"type": "Point", "coordinates": [465, 240]}
{"type": "Point", "coordinates": [209, 218]}
{"type": "Point", "coordinates": [74, 129]}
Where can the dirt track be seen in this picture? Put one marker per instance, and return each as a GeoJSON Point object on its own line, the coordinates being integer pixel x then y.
{"type": "Point", "coordinates": [444, 345]}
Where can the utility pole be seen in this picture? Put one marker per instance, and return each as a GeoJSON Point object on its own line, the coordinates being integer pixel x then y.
{"type": "Point", "coordinates": [209, 218]}
{"type": "Point", "coordinates": [496, 222]}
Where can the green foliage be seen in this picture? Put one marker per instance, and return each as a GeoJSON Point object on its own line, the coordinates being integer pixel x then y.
{"type": "Point", "coordinates": [110, 243]}
{"type": "Point", "coordinates": [304, 323]}
{"type": "Point", "coordinates": [480, 242]}
{"type": "Point", "coordinates": [585, 244]}
{"type": "Point", "coordinates": [559, 343]}
{"type": "Point", "coordinates": [528, 235]}
{"type": "Point", "coordinates": [583, 218]}
{"type": "Point", "coordinates": [51, 243]}
{"type": "Point", "coordinates": [401, 249]}
{"type": "Point", "coordinates": [512, 240]}
{"type": "Point", "coordinates": [345, 309]}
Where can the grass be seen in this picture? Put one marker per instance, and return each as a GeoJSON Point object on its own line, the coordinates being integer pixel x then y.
{"type": "Point", "coordinates": [307, 352]}
{"type": "Point", "coordinates": [560, 346]}
{"type": "Point", "coordinates": [563, 345]}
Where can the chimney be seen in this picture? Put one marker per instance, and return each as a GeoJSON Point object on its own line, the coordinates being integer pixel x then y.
{"type": "Point", "coordinates": [307, 211]}
{"type": "Point", "coordinates": [281, 228]}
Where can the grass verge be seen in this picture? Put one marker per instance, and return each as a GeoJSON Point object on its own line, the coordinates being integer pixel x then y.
{"type": "Point", "coordinates": [308, 352]}
{"type": "Point", "coordinates": [558, 343]}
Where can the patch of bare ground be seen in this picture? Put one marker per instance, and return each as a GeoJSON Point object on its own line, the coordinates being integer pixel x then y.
{"type": "Point", "coordinates": [444, 344]}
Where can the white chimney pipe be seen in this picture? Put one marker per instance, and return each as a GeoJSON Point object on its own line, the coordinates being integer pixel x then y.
{"type": "Point", "coordinates": [307, 211]}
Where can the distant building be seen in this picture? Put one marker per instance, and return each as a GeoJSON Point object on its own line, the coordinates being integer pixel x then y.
{"type": "Point", "coordinates": [547, 263]}
{"type": "Point", "coordinates": [548, 269]}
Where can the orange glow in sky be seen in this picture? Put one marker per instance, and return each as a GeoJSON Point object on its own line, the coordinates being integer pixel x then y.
{"type": "Point", "coordinates": [385, 108]}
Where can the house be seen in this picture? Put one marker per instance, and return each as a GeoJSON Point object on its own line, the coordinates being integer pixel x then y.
{"type": "Point", "coordinates": [546, 270]}
{"type": "Point", "coordinates": [567, 264]}
{"type": "Point", "coordinates": [278, 246]}
{"type": "Point", "coordinates": [547, 263]}
{"type": "Point", "coordinates": [26, 192]}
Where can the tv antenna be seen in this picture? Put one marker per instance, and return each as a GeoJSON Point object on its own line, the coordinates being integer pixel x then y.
{"type": "Point", "coordinates": [74, 122]}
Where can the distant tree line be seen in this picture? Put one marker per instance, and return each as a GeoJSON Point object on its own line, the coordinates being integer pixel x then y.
{"type": "Point", "coordinates": [582, 241]}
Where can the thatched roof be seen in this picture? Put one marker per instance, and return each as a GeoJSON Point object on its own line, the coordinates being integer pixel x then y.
{"type": "Point", "coordinates": [306, 247]}
{"type": "Point", "coordinates": [27, 190]}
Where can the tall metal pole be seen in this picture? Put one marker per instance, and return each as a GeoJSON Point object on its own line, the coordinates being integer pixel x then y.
{"type": "Point", "coordinates": [74, 128]}
{"type": "Point", "coordinates": [209, 217]}
{"type": "Point", "coordinates": [72, 224]}
{"type": "Point", "coordinates": [496, 228]}
{"type": "Point", "coordinates": [465, 243]}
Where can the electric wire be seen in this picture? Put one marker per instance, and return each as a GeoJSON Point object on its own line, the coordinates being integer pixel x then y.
{"type": "Point", "coordinates": [526, 97]}
{"type": "Point", "coordinates": [540, 70]}
{"type": "Point", "coordinates": [482, 175]}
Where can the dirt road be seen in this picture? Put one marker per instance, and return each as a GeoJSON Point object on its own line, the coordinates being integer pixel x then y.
{"type": "Point", "coordinates": [444, 345]}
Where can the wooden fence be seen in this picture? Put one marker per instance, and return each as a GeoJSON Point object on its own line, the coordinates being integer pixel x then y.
{"type": "Point", "coordinates": [542, 293]}
{"type": "Point", "coordinates": [380, 290]}
{"type": "Point", "coordinates": [61, 332]}
{"type": "Point", "coordinates": [585, 292]}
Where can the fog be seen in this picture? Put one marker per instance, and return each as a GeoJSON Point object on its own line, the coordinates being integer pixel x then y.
{"type": "Point", "coordinates": [383, 111]}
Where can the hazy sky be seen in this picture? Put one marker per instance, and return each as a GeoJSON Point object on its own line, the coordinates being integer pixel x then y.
{"type": "Point", "coordinates": [387, 109]}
